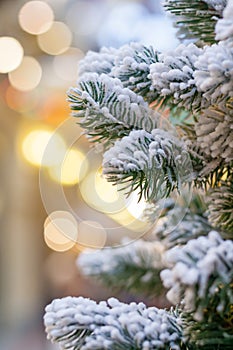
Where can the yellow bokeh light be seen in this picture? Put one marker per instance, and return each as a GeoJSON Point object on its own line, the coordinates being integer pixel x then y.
{"type": "Point", "coordinates": [135, 207]}
{"type": "Point", "coordinates": [36, 17]}
{"type": "Point", "coordinates": [37, 142]}
{"type": "Point", "coordinates": [101, 195]}
{"type": "Point", "coordinates": [91, 234]}
{"type": "Point", "coordinates": [105, 190]}
{"type": "Point", "coordinates": [56, 40]}
{"type": "Point", "coordinates": [72, 170]}
{"type": "Point", "coordinates": [60, 231]}
{"type": "Point", "coordinates": [27, 76]}
{"type": "Point", "coordinates": [11, 54]}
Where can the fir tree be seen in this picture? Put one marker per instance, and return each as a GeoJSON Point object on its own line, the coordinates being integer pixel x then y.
{"type": "Point", "coordinates": [190, 250]}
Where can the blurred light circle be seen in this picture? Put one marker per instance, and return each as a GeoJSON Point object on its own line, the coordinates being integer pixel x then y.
{"type": "Point", "coordinates": [134, 206]}
{"type": "Point", "coordinates": [35, 143]}
{"type": "Point", "coordinates": [66, 65]}
{"type": "Point", "coordinates": [27, 76]}
{"type": "Point", "coordinates": [72, 169]}
{"type": "Point", "coordinates": [58, 247]}
{"type": "Point", "coordinates": [56, 40]}
{"type": "Point", "coordinates": [11, 54]}
{"type": "Point", "coordinates": [36, 17]}
{"type": "Point", "coordinates": [22, 101]}
{"type": "Point", "coordinates": [100, 194]}
{"type": "Point", "coordinates": [60, 230]}
{"type": "Point", "coordinates": [91, 234]}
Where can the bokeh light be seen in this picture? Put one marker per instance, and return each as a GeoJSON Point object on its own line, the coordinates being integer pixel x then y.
{"type": "Point", "coordinates": [91, 234]}
{"type": "Point", "coordinates": [11, 54]}
{"type": "Point", "coordinates": [60, 231]}
{"type": "Point", "coordinates": [36, 17]}
{"type": "Point", "coordinates": [72, 170]}
{"type": "Point", "coordinates": [35, 143]}
{"type": "Point", "coordinates": [56, 40]}
{"type": "Point", "coordinates": [66, 65]}
{"type": "Point", "coordinates": [103, 196]}
{"type": "Point", "coordinates": [27, 76]}
{"type": "Point", "coordinates": [134, 206]}
{"type": "Point", "coordinates": [21, 101]}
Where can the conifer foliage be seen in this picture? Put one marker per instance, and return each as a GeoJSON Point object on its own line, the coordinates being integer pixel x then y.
{"type": "Point", "coordinates": [190, 250]}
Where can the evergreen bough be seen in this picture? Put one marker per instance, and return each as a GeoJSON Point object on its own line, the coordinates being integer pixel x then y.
{"type": "Point", "coordinates": [114, 102]}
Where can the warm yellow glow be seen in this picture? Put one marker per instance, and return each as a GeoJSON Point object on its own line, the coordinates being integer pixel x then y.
{"type": "Point", "coordinates": [105, 190]}
{"type": "Point", "coordinates": [124, 218]}
{"type": "Point", "coordinates": [71, 170]}
{"type": "Point", "coordinates": [11, 54]}
{"type": "Point", "coordinates": [56, 40]}
{"type": "Point", "coordinates": [134, 207]}
{"type": "Point", "coordinates": [60, 231]}
{"type": "Point", "coordinates": [101, 195]}
{"type": "Point", "coordinates": [36, 17]}
{"type": "Point", "coordinates": [27, 76]}
{"type": "Point", "coordinates": [37, 142]}
{"type": "Point", "coordinates": [65, 65]}
{"type": "Point", "coordinates": [91, 234]}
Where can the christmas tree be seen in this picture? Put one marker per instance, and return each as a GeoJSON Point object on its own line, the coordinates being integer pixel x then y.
{"type": "Point", "coordinates": [119, 100]}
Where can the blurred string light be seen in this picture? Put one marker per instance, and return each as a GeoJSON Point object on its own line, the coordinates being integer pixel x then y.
{"type": "Point", "coordinates": [56, 40]}
{"type": "Point", "coordinates": [27, 76]}
{"type": "Point", "coordinates": [35, 143]}
{"type": "Point", "coordinates": [36, 17]}
{"type": "Point", "coordinates": [60, 231]}
{"type": "Point", "coordinates": [71, 170]}
{"type": "Point", "coordinates": [11, 54]}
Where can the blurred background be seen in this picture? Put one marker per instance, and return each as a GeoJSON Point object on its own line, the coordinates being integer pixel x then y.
{"type": "Point", "coordinates": [53, 201]}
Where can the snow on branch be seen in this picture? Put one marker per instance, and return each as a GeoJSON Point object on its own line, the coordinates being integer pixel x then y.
{"type": "Point", "coordinates": [201, 272]}
{"type": "Point", "coordinates": [133, 266]}
{"type": "Point", "coordinates": [98, 62]}
{"type": "Point", "coordinates": [79, 323]}
{"type": "Point", "coordinates": [179, 225]}
{"type": "Point", "coordinates": [196, 19]}
{"type": "Point", "coordinates": [173, 78]}
{"type": "Point", "coordinates": [153, 163]}
{"type": "Point", "coordinates": [224, 26]}
{"type": "Point", "coordinates": [132, 67]}
{"type": "Point", "coordinates": [214, 133]}
{"type": "Point", "coordinates": [214, 72]}
{"type": "Point", "coordinates": [107, 110]}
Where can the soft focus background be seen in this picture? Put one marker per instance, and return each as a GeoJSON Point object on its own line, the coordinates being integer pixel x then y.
{"type": "Point", "coordinates": [53, 201]}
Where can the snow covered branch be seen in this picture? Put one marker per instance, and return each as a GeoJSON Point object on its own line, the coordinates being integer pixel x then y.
{"type": "Point", "coordinates": [134, 266]}
{"type": "Point", "coordinates": [79, 323]}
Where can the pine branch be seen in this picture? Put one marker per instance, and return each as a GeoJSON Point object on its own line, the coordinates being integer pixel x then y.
{"type": "Point", "coordinates": [107, 110]}
{"type": "Point", "coordinates": [195, 19]}
{"type": "Point", "coordinates": [179, 225]}
{"type": "Point", "coordinates": [209, 334]}
{"type": "Point", "coordinates": [214, 72]}
{"type": "Point", "coordinates": [201, 272]}
{"type": "Point", "coordinates": [79, 323]}
{"type": "Point", "coordinates": [220, 202]}
{"type": "Point", "coordinates": [153, 163]}
{"type": "Point", "coordinates": [173, 79]}
{"type": "Point", "coordinates": [134, 267]}
{"type": "Point", "coordinates": [132, 67]}
{"type": "Point", "coordinates": [98, 62]}
{"type": "Point", "coordinates": [224, 26]}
